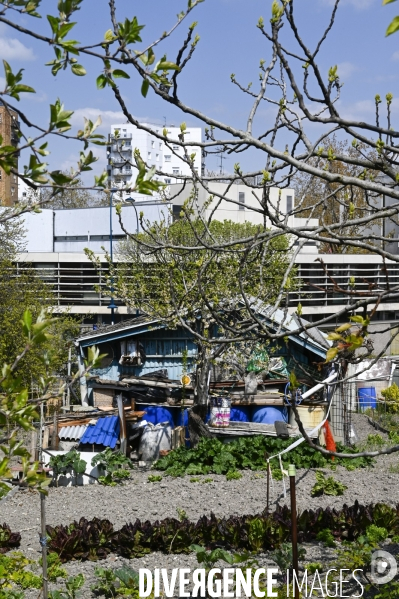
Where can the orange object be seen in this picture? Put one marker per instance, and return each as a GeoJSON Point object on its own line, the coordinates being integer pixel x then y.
{"type": "Point", "coordinates": [330, 443]}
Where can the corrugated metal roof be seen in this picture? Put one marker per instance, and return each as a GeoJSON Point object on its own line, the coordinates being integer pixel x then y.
{"type": "Point", "coordinates": [120, 326]}
{"type": "Point", "coordinates": [74, 433]}
{"type": "Point", "coordinates": [104, 432]}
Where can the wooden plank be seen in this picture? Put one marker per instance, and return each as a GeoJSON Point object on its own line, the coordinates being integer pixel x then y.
{"type": "Point", "coordinates": [258, 402]}
{"type": "Point", "coordinates": [46, 437]}
{"type": "Point", "coordinates": [151, 383]}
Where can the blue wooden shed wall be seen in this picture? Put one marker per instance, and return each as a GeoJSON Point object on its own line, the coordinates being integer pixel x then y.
{"type": "Point", "coordinates": [164, 349]}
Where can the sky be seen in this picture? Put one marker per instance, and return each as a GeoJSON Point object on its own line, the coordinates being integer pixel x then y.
{"type": "Point", "coordinates": [368, 63]}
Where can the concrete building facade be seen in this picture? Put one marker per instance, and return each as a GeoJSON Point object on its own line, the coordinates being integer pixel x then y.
{"type": "Point", "coordinates": [168, 158]}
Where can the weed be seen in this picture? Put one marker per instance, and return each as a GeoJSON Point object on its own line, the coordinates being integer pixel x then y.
{"type": "Point", "coordinates": [313, 566]}
{"type": "Point", "coordinates": [207, 480]}
{"type": "Point", "coordinates": [195, 479]}
{"type": "Point", "coordinates": [327, 486]}
{"type": "Point", "coordinates": [283, 556]}
{"type": "Point", "coordinates": [258, 475]}
{"type": "Point", "coordinates": [325, 536]}
{"type": "Point", "coordinates": [181, 514]}
{"type": "Point", "coordinates": [154, 478]}
{"type": "Point", "coordinates": [71, 591]}
{"type": "Point", "coordinates": [376, 534]}
{"type": "Point", "coordinates": [233, 475]}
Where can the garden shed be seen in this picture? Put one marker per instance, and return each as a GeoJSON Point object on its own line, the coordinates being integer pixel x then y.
{"type": "Point", "coordinates": [145, 360]}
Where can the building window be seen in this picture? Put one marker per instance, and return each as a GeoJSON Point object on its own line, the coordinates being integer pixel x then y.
{"type": "Point", "coordinates": [241, 200]}
{"type": "Point", "coordinates": [160, 145]}
{"type": "Point", "coordinates": [176, 171]}
{"type": "Point", "coordinates": [1, 118]}
{"type": "Point", "coordinates": [175, 147]}
{"type": "Point", "coordinates": [168, 180]}
{"type": "Point", "coordinates": [1, 175]}
{"type": "Point", "coordinates": [12, 190]}
{"type": "Point", "coordinates": [149, 156]}
{"type": "Point", "coordinates": [15, 178]}
{"type": "Point", "coordinates": [168, 157]}
{"type": "Point", "coordinates": [153, 144]}
{"type": "Point", "coordinates": [128, 143]}
{"type": "Point", "coordinates": [157, 157]}
{"type": "Point", "coordinates": [290, 204]}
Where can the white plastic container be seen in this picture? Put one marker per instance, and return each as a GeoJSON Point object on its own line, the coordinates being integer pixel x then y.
{"type": "Point", "coordinates": [154, 438]}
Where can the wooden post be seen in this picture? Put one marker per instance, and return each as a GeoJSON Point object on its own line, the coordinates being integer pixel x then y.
{"type": "Point", "coordinates": [122, 421]}
{"type": "Point", "coordinates": [54, 440]}
{"type": "Point", "coordinates": [68, 399]}
{"type": "Point", "coordinates": [33, 447]}
{"type": "Point", "coordinates": [43, 542]}
{"type": "Point", "coordinates": [294, 529]}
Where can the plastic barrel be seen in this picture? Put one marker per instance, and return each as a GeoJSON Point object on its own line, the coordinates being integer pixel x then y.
{"type": "Point", "coordinates": [269, 414]}
{"type": "Point", "coordinates": [240, 414]}
{"type": "Point", "coordinates": [367, 398]}
{"type": "Point", "coordinates": [157, 414]}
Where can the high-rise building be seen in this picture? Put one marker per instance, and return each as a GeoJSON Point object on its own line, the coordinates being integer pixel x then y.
{"type": "Point", "coordinates": [8, 131]}
{"type": "Point", "coordinates": [168, 158]}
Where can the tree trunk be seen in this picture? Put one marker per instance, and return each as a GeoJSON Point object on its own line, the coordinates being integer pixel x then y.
{"type": "Point", "coordinates": [196, 416]}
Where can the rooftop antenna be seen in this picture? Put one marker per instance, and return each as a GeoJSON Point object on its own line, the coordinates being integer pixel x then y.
{"type": "Point", "coordinates": [222, 157]}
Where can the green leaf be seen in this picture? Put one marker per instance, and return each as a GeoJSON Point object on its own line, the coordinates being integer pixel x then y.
{"type": "Point", "coordinates": [144, 87]}
{"type": "Point", "coordinates": [109, 36]}
{"type": "Point", "coordinates": [393, 26]}
{"type": "Point", "coordinates": [164, 65]}
{"type": "Point", "coordinates": [77, 69]}
{"type": "Point", "coordinates": [119, 73]}
{"type": "Point", "coordinates": [27, 320]}
{"type": "Point", "coordinates": [101, 81]}
{"type": "Point", "coordinates": [331, 354]}
{"type": "Point", "coordinates": [54, 23]}
{"type": "Point", "coordinates": [387, 2]}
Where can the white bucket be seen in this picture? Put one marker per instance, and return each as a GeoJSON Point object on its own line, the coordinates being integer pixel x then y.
{"type": "Point", "coordinates": [220, 417]}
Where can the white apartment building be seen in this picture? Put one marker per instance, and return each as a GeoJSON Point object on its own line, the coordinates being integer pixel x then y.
{"type": "Point", "coordinates": [167, 157]}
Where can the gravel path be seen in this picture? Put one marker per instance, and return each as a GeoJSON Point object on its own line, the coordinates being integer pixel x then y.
{"type": "Point", "coordinates": [153, 501]}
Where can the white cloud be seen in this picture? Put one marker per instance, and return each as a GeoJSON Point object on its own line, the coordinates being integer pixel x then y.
{"type": "Point", "coordinates": [13, 49]}
{"type": "Point", "coordinates": [345, 69]}
{"type": "Point", "coordinates": [108, 117]}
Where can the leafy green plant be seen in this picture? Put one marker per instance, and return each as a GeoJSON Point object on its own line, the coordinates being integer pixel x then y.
{"type": "Point", "coordinates": [195, 479]}
{"type": "Point", "coordinates": [207, 480]}
{"type": "Point", "coordinates": [313, 566]}
{"type": "Point", "coordinates": [14, 574]}
{"type": "Point", "coordinates": [8, 540]}
{"type": "Point", "coordinates": [233, 475]}
{"type": "Point", "coordinates": [67, 463]}
{"type": "Point", "coordinates": [154, 478]}
{"type": "Point", "coordinates": [327, 486]}
{"type": "Point", "coordinates": [325, 536]}
{"type": "Point", "coordinates": [107, 583]}
{"type": "Point", "coordinates": [211, 456]}
{"type": "Point", "coordinates": [54, 568]}
{"type": "Point", "coordinates": [376, 534]}
{"type": "Point", "coordinates": [115, 465]}
{"type": "Point", "coordinates": [72, 588]}
{"type": "Point", "coordinates": [95, 539]}
{"type": "Point", "coordinates": [283, 557]}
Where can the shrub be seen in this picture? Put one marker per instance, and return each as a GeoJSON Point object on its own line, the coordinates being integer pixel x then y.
{"type": "Point", "coordinates": [391, 396]}
{"type": "Point", "coordinates": [8, 540]}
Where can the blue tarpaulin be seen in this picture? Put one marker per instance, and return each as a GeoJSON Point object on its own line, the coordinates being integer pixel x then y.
{"type": "Point", "coordinates": [104, 432]}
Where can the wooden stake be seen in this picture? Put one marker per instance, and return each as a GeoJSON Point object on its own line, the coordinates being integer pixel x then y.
{"type": "Point", "coordinates": [122, 420]}
{"type": "Point", "coordinates": [294, 528]}
{"type": "Point", "coordinates": [43, 542]}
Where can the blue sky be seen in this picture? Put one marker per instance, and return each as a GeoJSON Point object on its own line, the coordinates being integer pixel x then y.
{"type": "Point", "coordinates": [230, 42]}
